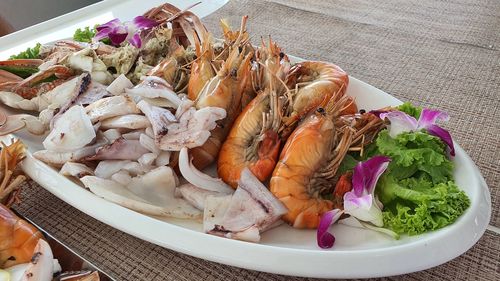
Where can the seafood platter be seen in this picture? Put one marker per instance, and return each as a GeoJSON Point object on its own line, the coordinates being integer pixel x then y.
{"type": "Point", "coordinates": [239, 153]}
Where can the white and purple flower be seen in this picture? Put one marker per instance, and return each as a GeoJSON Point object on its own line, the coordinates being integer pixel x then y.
{"type": "Point", "coordinates": [324, 238]}
{"type": "Point", "coordinates": [119, 32]}
{"type": "Point", "coordinates": [402, 122]}
{"type": "Point", "coordinates": [360, 203]}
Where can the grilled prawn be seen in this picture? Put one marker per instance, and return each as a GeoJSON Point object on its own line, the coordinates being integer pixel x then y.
{"type": "Point", "coordinates": [254, 141]}
{"type": "Point", "coordinates": [308, 163]}
{"type": "Point", "coordinates": [225, 90]}
{"type": "Point", "coordinates": [18, 239]}
{"type": "Point", "coordinates": [315, 84]}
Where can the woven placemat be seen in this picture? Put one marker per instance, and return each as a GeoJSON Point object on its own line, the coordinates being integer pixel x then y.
{"type": "Point", "coordinates": [442, 54]}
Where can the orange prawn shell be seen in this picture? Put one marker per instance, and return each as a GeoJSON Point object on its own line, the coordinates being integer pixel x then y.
{"type": "Point", "coordinates": [325, 80]}
{"type": "Point", "coordinates": [18, 239]}
{"type": "Point", "coordinates": [311, 144]}
{"type": "Point", "coordinates": [224, 91]}
{"type": "Point", "coordinates": [232, 159]}
{"type": "Point", "coordinates": [201, 69]}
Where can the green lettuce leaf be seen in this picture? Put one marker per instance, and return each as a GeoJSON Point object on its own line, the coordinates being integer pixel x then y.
{"type": "Point", "coordinates": [415, 154]}
{"type": "Point", "coordinates": [30, 53]}
{"type": "Point", "coordinates": [84, 35]}
{"type": "Point", "coordinates": [417, 189]}
{"type": "Point", "coordinates": [416, 205]}
{"type": "Point", "coordinates": [409, 109]}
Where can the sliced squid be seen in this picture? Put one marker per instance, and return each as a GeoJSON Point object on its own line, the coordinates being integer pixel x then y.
{"type": "Point", "coordinates": [159, 118]}
{"type": "Point", "coordinates": [199, 179]}
{"type": "Point", "coordinates": [122, 177]}
{"type": "Point", "coordinates": [120, 149]}
{"type": "Point", "coordinates": [111, 107]}
{"type": "Point", "coordinates": [134, 135]}
{"type": "Point", "coordinates": [185, 105]}
{"type": "Point", "coordinates": [163, 158]}
{"type": "Point", "coordinates": [105, 169]}
{"type": "Point", "coordinates": [59, 158]}
{"type": "Point", "coordinates": [154, 87]}
{"type": "Point", "coordinates": [95, 92]}
{"type": "Point", "coordinates": [252, 207]}
{"type": "Point", "coordinates": [149, 143]}
{"type": "Point", "coordinates": [16, 272]}
{"type": "Point", "coordinates": [214, 209]}
{"type": "Point", "coordinates": [112, 134]}
{"type": "Point", "coordinates": [77, 170]}
{"type": "Point", "coordinates": [71, 132]}
{"type": "Point", "coordinates": [119, 85]}
{"type": "Point", "coordinates": [129, 121]}
{"type": "Point", "coordinates": [81, 86]}
{"type": "Point", "coordinates": [160, 102]}
{"type": "Point", "coordinates": [152, 194]}
{"type": "Point", "coordinates": [147, 159]}
{"type": "Point", "coordinates": [197, 196]}
{"type": "Point", "coordinates": [192, 128]}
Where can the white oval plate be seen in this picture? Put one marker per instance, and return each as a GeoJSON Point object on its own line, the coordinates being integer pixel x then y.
{"type": "Point", "coordinates": [357, 253]}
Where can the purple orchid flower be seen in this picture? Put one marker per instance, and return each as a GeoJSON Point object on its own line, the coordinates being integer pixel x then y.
{"type": "Point", "coordinates": [118, 32]}
{"type": "Point", "coordinates": [360, 202]}
{"type": "Point", "coordinates": [324, 238]}
{"type": "Point", "coordinates": [402, 122]}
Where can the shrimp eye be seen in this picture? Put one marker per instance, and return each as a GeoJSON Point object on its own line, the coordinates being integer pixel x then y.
{"type": "Point", "coordinates": [240, 49]}
{"type": "Point", "coordinates": [320, 110]}
{"type": "Point", "coordinates": [362, 111]}
{"type": "Point", "coordinates": [282, 55]}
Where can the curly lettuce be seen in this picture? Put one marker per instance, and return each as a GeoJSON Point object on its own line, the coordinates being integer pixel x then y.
{"type": "Point", "coordinates": [410, 109]}
{"type": "Point", "coordinates": [84, 35]}
{"type": "Point", "coordinates": [416, 205]}
{"type": "Point", "coordinates": [417, 189]}
{"type": "Point", "coordinates": [87, 33]}
{"type": "Point", "coordinates": [30, 53]}
{"type": "Point", "coordinates": [415, 153]}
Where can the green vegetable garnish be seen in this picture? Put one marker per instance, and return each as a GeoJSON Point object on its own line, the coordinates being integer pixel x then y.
{"type": "Point", "coordinates": [417, 189]}
{"type": "Point", "coordinates": [415, 153]}
{"type": "Point", "coordinates": [30, 53]}
{"type": "Point", "coordinates": [85, 35]}
{"type": "Point", "coordinates": [414, 206]}
{"type": "Point", "coordinates": [411, 110]}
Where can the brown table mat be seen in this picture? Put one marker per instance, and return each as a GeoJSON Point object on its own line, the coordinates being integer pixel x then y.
{"type": "Point", "coordinates": [442, 54]}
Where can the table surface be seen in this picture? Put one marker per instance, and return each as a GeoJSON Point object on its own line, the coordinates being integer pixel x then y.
{"type": "Point", "coordinates": [439, 54]}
